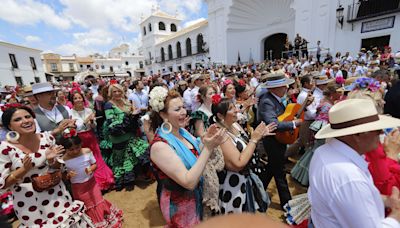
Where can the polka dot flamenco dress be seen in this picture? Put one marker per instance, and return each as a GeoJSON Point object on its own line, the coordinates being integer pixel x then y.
{"type": "Point", "coordinates": [50, 208]}
{"type": "Point", "coordinates": [238, 191]}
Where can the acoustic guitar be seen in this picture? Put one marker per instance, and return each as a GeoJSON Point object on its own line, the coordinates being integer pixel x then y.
{"type": "Point", "coordinates": [292, 112]}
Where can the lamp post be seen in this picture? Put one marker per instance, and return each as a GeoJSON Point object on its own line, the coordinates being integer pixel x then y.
{"type": "Point", "coordinates": [339, 15]}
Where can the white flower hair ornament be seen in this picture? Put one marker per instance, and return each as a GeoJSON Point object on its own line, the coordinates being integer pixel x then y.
{"type": "Point", "coordinates": [157, 97]}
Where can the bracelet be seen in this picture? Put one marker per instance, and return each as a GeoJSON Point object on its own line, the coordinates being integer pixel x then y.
{"type": "Point", "coordinates": [254, 141]}
{"type": "Point", "coordinates": [14, 177]}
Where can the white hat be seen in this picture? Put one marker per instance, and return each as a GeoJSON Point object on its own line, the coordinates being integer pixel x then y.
{"type": "Point", "coordinates": [42, 88]}
{"type": "Point", "coordinates": [277, 79]}
{"type": "Point", "coordinates": [355, 116]}
{"type": "Point", "coordinates": [196, 76]}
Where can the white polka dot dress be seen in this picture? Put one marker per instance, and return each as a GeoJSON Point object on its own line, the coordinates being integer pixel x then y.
{"type": "Point", "coordinates": [50, 208]}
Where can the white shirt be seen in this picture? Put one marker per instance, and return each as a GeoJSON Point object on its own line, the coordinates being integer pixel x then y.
{"type": "Point", "coordinates": [79, 164]}
{"type": "Point", "coordinates": [311, 112]}
{"type": "Point", "coordinates": [318, 94]}
{"type": "Point", "coordinates": [195, 102]}
{"type": "Point", "coordinates": [80, 117]}
{"type": "Point", "coordinates": [342, 192]}
{"type": "Point", "coordinates": [187, 99]}
{"type": "Point", "coordinates": [254, 82]}
{"type": "Point", "coordinates": [53, 115]}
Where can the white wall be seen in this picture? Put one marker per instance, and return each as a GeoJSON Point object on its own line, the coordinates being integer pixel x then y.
{"type": "Point", "coordinates": [316, 20]}
{"type": "Point", "coordinates": [7, 76]}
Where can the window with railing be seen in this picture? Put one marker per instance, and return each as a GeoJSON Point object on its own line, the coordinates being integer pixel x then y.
{"type": "Point", "coordinates": [363, 9]}
{"type": "Point", "coordinates": [170, 56]}
{"type": "Point", "coordinates": [71, 67]}
{"type": "Point", "coordinates": [178, 50]}
{"type": "Point", "coordinates": [53, 67]}
{"type": "Point", "coordinates": [33, 63]}
{"type": "Point", "coordinates": [13, 60]}
{"type": "Point", "coordinates": [200, 43]}
{"type": "Point", "coordinates": [162, 55]}
{"type": "Point", "coordinates": [188, 47]}
{"type": "Point", "coordinates": [37, 80]}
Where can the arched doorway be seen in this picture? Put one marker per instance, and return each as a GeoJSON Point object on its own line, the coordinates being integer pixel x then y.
{"type": "Point", "coordinates": [274, 45]}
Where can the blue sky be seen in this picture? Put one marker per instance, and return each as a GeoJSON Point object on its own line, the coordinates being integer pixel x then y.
{"type": "Point", "coordinates": [84, 26]}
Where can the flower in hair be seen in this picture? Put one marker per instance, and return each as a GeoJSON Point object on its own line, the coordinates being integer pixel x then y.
{"type": "Point", "coordinates": [157, 97]}
{"type": "Point", "coordinates": [7, 106]}
{"type": "Point", "coordinates": [366, 84]}
{"type": "Point", "coordinates": [227, 82]}
{"type": "Point", "coordinates": [340, 80]}
{"type": "Point", "coordinates": [242, 82]}
{"type": "Point", "coordinates": [69, 132]}
{"type": "Point", "coordinates": [216, 99]}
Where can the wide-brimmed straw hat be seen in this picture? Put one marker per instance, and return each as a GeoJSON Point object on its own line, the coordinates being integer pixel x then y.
{"type": "Point", "coordinates": [355, 116]}
{"type": "Point", "coordinates": [277, 79]}
{"type": "Point", "coordinates": [322, 80]}
{"type": "Point", "coordinates": [43, 88]}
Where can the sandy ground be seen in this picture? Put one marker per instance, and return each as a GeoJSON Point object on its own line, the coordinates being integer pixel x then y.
{"type": "Point", "coordinates": [141, 208]}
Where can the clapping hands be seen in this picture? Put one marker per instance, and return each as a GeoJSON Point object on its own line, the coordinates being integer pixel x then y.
{"type": "Point", "coordinates": [391, 144]}
{"type": "Point", "coordinates": [263, 130]}
{"type": "Point", "coordinates": [214, 137]}
{"type": "Point", "coordinates": [54, 152]}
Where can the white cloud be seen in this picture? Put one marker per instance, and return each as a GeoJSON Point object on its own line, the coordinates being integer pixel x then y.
{"type": "Point", "coordinates": [31, 39]}
{"type": "Point", "coordinates": [192, 22]}
{"type": "Point", "coordinates": [85, 43]}
{"type": "Point", "coordinates": [30, 12]}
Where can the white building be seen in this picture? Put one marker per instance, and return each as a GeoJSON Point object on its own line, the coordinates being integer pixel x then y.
{"type": "Point", "coordinates": [168, 48]}
{"type": "Point", "coordinates": [252, 27]}
{"type": "Point", "coordinates": [20, 65]}
{"type": "Point", "coordinates": [257, 29]}
{"type": "Point", "coordinates": [121, 62]}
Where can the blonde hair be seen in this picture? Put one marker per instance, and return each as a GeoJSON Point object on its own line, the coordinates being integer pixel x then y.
{"type": "Point", "coordinates": [118, 87]}
{"type": "Point", "coordinates": [376, 97]}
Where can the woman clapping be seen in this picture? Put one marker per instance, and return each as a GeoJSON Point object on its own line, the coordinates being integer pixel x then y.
{"type": "Point", "coordinates": [179, 159]}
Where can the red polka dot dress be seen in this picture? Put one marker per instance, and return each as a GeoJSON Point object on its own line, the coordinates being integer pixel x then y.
{"type": "Point", "coordinates": [50, 208]}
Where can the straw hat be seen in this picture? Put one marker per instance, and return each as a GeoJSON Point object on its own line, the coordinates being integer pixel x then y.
{"type": "Point", "coordinates": [355, 116]}
{"type": "Point", "coordinates": [27, 91]}
{"type": "Point", "coordinates": [322, 80]}
{"type": "Point", "coordinates": [196, 76]}
{"type": "Point", "coordinates": [277, 79]}
{"type": "Point", "coordinates": [43, 88]}
{"type": "Point", "coordinates": [182, 82]}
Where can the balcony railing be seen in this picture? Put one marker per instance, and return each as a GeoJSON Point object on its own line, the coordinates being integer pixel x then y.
{"type": "Point", "coordinates": [364, 9]}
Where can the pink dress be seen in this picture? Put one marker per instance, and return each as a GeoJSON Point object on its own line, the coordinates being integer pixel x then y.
{"type": "Point", "coordinates": [103, 174]}
{"type": "Point", "coordinates": [85, 189]}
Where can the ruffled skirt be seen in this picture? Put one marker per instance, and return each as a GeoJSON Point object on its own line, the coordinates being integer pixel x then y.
{"type": "Point", "coordinates": [102, 212]}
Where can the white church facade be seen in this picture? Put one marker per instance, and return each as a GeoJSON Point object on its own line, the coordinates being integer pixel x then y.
{"type": "Point", "coordinates": [257, 30]}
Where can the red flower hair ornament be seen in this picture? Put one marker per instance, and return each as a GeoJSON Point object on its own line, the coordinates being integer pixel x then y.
{"type": "Point", "coordinates": [7, 106]}
{"type": "Point", "coordinates": [227, 82]}
{"type": "Point", "coordinates": [69, 132]}
{"type": "Point", "coordinates": [216, 99]}
{"type": "Point", "coordinates": [242, 83]}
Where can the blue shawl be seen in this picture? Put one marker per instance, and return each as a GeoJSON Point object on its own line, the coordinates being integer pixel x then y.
{"type": "Point", "coordinates": [187, 157]}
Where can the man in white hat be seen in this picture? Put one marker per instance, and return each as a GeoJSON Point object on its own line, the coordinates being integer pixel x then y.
{"type": "Point", "coordinates": [271, 105]}
{"type": "Point", "coordinates": [198, 80]}
{"type": "Point", "coordinates": [49, 116]}
{"type": "Point", "coordinates": [342, 192]}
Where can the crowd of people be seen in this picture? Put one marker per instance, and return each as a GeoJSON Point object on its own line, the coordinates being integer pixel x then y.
{"type": "Point", "coordinates": [212, 139]}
